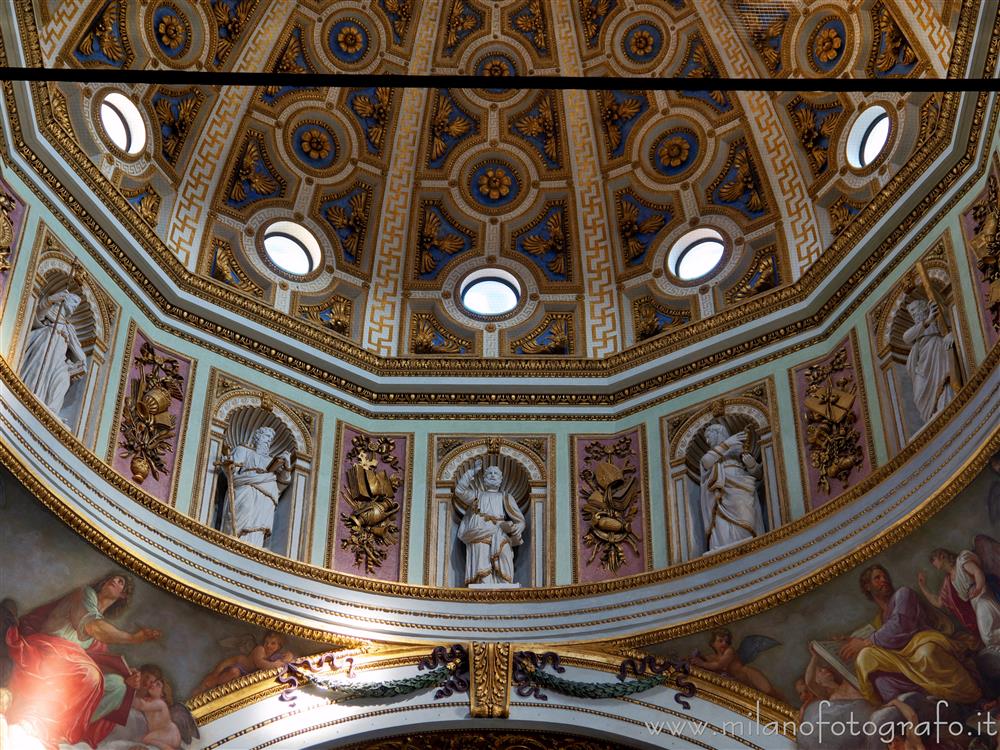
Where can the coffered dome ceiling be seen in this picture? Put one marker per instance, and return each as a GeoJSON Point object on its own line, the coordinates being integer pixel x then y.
{"type": "Point", "coordinates": [581, 196]}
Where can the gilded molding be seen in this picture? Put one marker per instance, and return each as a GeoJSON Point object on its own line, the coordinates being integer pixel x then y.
{"type": "Point", "coordinates": [636, 354]}
{"type": "Point", "coordinates": [489, 694]}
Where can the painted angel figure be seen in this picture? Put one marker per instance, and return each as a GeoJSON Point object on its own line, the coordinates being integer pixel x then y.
{"type": "Point", "coordinates": [270, 653]}
{"type": "Point", "coordinates": [53, 355]}
{"type": "Point", "coordinates": [257, 479]}
{"type": "Point", "coordinates": [492, 525]}
{"type": "Point", "coordinates": [169, 725]}
{"type": "Point", "coordinates": [734, 661]}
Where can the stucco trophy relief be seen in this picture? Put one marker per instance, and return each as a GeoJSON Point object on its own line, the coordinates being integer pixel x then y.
{"type": "Point", "coordinates": [492, 523]}
{"type": "Point", "coordinates": [610, 502]}
{"type": "Point", "coordinates": [370, 492]}
{"type": "Point", "coordinates": [730, 477]}
{"type": "Point", "coordinates": [257, 459]}
{"type": "Point", "coordinates": [53, 355]}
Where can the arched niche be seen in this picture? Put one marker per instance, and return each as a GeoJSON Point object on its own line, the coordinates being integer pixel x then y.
{"type": "Point", "coordinates": [94, 321]}
{"type": "Point", "coordinates": [526, 478]}
{"type": "Point", "coordinates": [929, 279]}
{"type": "Point", "coordinates": [231, 419]}
{"type": "Point", "coordinates": [686, 445]}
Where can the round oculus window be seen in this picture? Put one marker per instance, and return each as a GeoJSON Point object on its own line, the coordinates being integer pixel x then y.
{"type": "Point", "coordinates": [696, 254]}
{"type": "Point", "coordinates": [490, 292]}
{"type": "Point", "coordinates": [292, 248]}
{"type": "Point", "coordinates": [123, 123]}
{"type": "Point", "coordinates": [868, 136]}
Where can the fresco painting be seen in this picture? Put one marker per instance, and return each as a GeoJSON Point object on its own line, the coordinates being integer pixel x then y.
{"type": "Point", "coordinates": [912, 634]}
{"type": "Point", "coordinates": [93, 657]}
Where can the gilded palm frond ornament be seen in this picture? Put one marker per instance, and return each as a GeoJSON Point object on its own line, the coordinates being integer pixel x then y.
{"type": "Point", "coordinates": [896, 50]}
{"type": "Point", "coordinates": [815, 137]}
{"type": "Point", "coordinates": [177, 124]}
{"type": "Point", "coordinates": [745, 184]}
{"type": "Point", "coordinates": [428, 340]}
{"type": "Point", "coordinates": [762, 39]}
{"type": "Point", "coordinates": [442, 125]}
{"type": "Point", "coordinates": [459, 21]}
{"type": "Point", "coordinates": [377, 110]}
{"type": "Point", "coordinates": [231, 20]}
{"type": "Point", "coordinates": [592, 13]}
{"type": "Point", "coordinates": [7, 206]}
{"type": "Point", "coordinates": [402, 10]}
{"type": "Point", "coordinates": [555, 339]}
{"type": "Point", "coordinates": [433, 235]}
{"type": "Point", "coordinates": [251, 174]}
{"type": "Point", "coordinates": [101, 37]}
{"type": "Point", "coordinates": [288, 62]}
{"type": "Point", "coordinates": [630, 228]}
{"type": "Point", "coordinates": [227, 270]}
{"type": "Point", "coordinates": [532, 21]}
{"type": "Point", "coordinates": [544, 126]}
{"type": "Point", "coordinates": [705, 68]}
{"type": "Point", "coordinates": [354, 222]}
{"type": "Point", "coordinates": [614, 114]}
{"type": "Point", "coordinates": [555, 243]}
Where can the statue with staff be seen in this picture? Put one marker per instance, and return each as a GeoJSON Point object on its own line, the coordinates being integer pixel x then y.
{"type": "Point", "coordinates": [932, 363]}
{"type": "Point", "coordinates": [53, 355]}
{"type": "Point", "coordinates": [256, 479]}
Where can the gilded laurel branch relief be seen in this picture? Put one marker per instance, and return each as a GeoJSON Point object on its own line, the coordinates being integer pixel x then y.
{"type": "Point", "coordinates": [724, 477]}
{"type": "Point", "coordinates": [258, 464]}
{"type": "Point", "coordinates": [490, 524]}
{"type": "Point", "coordinates": [921, 345]}
{"type": "Point", "coordinates": [66, 327]}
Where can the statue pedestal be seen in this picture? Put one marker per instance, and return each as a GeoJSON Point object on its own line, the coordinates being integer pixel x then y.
{"type": "Point", "coordinates": [494, 585]}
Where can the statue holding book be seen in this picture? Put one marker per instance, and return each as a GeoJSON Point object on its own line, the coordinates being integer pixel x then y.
{"type": "Point", "coordinates": [256, 480]}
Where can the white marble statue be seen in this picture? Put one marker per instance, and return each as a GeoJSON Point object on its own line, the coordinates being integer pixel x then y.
{"type": "Point", "coordinates": [53, 354]}
{"type": "Point", "coordinates": [492, 525]}
{"type": "Point", "coordinates": [930, 360]}
{"type": "Point", "coordinates": [729, 478]}
{"type": "Point", "coordinates": [257, 480]}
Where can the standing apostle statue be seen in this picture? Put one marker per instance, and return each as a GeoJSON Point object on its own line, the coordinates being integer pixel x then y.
{"type": "Point", "coordinates": [53, 354]}
{"type": "Point", "coordinates": [256, 481]}
{"type": "Point", "coordinates": [491, 526]}
{"type": "Point", "coordinates": [729, 477]}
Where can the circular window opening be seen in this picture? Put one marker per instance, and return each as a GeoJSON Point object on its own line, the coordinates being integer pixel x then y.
{"type": "Point", "coordinates": [490, 291]}
{"type": "Point", "coordinates": [868, 137]}
{"type": "Point", "coordinates": [291, 247]}
{"type": "Point", "coordinates": [696, 254]}
{"type": "Point", "coordinates": [123, 123]}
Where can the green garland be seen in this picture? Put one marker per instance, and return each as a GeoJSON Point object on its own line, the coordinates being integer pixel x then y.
{"type": "Point", "coordinates": [594, 690]}
{"type": "Point", "coordinates": [352, 690]}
